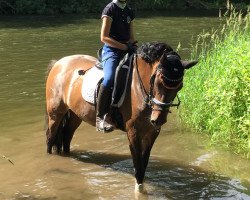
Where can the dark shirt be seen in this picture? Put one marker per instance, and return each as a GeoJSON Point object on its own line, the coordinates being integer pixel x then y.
{"type": "Point", "coordinates": [121, 19]}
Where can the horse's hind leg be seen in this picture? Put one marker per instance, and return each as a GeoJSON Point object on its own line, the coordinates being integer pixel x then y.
{"type": "Point", "coordinates": [54, 121]}
{"type": "Point", "coordinates": [72, 123]}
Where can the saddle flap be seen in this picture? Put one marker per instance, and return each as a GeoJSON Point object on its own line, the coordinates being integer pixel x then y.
{"type": "Point", "coordinates": [121, 80]}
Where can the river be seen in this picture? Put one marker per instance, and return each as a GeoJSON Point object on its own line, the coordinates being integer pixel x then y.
{"type": "Point", "coordinates": [181, 166]}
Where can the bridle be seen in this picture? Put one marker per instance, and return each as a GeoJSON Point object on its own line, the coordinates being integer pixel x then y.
{"type": "Point", "coordinates": [149, 98]}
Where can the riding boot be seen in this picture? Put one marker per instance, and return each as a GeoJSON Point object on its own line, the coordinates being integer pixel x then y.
{"type": "Point", "coordinates": [102, 108]}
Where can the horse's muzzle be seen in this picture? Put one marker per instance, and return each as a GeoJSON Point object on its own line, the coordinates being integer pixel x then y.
{"type": "Point", "coordinates": [158, 118]}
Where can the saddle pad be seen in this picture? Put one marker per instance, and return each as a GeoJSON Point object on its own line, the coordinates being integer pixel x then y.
{"type": "Point", "coordinates": [89, 83]}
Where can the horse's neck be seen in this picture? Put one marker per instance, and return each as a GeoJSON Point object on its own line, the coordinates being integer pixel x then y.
{"type": "Point", "coordinates": [135, 97]}
{"type": "Point", "coordinates": [140, 81]}
{"type": "Point", "coordinates": [145, 71]}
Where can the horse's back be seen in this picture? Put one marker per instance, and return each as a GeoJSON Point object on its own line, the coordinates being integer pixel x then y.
{"type": "Point", "coordinates": [73, 62]}
{"type": "Point", "coordinates": [63, 76]}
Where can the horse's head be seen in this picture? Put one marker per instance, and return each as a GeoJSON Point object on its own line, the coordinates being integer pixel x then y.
{"type": "Point", "coordinates": [166, 81]}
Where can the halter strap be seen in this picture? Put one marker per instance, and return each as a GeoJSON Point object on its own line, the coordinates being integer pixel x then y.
{"type": "Point", "coordinates": [150, 99]}
{"type": "Point", "coordinates": [147, 98]}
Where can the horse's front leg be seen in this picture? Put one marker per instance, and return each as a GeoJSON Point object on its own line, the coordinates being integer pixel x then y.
{"type": "Point", "coordinates": [140, 148]}
{"type": "Point", "coordinates": [136, 152]}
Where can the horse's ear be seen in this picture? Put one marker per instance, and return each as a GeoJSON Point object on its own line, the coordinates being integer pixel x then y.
{"type": "Point", "coordinates": [188, 64]}
{"type": "Point", "coordinates": [163, 55]}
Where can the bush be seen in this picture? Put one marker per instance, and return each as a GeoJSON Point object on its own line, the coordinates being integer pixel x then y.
{"type": "Point", "coordinates": [217, 91]}
{"type": "Point", "coordinates": [30, 7]}
{"type": "Point", "coordinates": [95, 6]}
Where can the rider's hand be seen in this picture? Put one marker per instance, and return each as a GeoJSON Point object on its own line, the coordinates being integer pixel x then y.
{"type": "Point", "coordinates": [132, 47]}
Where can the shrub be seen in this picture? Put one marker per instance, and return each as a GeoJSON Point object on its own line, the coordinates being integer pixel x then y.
{"type": "Point", "coordinates": [217, 91]}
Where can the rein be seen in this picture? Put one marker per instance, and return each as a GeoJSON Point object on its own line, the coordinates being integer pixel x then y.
{"type": "Point", "coordinates": [149, 98]}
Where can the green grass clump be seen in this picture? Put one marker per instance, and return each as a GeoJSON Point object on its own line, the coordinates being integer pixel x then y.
{"type": "Point", "coordinates": [216, 94]}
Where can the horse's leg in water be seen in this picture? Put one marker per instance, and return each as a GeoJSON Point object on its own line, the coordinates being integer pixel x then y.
{"type": "Point", "coordinates": [73, 122]}
{"type": "Point", "coordinates": [55, 117]}
{"type": "Point", "coordinates": [136, 152]}
{"type": "Point", "coordinates": [53, 124]}
{"type": "Point", "coordinates": [140, 147]}
{"type": "Point", "coordinates": [147, 142]}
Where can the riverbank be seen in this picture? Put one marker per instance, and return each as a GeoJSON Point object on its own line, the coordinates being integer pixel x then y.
{"type": "Point", "coordinates": [216, 96]}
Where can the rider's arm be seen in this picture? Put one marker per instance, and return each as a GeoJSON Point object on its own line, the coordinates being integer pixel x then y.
{"type": "Point", "coordinates": [106, 25]}
{"type": "Point", "coordinates": [132, 37]}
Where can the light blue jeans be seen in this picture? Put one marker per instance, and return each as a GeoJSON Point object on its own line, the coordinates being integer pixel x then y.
{"type": "Point", "coordinates": [110, 60]}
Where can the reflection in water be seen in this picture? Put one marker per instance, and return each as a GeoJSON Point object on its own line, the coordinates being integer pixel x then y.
{"type": "Point", "coordinates": [164, 179]}
{"type": "Point", "coordinates": [203, 158]}
{"type": "Point", "coordinates": [100, 167]}
{"type": "Point", "coordinates": [182, 182]}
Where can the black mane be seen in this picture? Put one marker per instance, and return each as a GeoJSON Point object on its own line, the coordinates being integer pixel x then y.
{"type": "Point", "coordinates": [152, 51]}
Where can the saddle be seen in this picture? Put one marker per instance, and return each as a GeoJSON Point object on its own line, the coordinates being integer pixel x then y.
{"type": "Point", "coordinates": [94, 77]}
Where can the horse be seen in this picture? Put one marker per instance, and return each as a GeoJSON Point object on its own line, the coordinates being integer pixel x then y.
{"type": "Point", "coordinates": [156, 77]}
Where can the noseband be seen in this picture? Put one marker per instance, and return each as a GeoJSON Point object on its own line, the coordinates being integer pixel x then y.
{"type": "Point", "coordinates": [149, 98]}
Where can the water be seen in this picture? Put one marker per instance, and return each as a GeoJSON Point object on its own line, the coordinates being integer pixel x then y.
{"type": "Point", "coordinates": [182, 166]}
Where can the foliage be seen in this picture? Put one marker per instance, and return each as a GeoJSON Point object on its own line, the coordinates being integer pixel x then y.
{"type": "Point", "coordinates": [96, 6]}
{"type": "Point", "coordinates": [51, 6]}
{"type": "Point", "coordinates": [217, 91]}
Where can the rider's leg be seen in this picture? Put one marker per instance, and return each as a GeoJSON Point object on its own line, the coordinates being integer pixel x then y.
{"type": "Point", "coordinates": [102, 108]}
{"type": "Point", "coordinates": [111, 58]}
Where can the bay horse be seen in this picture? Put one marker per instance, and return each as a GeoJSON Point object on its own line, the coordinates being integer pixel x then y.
{"type": "Point", "coordinates": [156, 77]}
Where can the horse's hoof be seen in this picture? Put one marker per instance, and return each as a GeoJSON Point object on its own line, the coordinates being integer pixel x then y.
{"type": "Point", "coordinates": [49, 150]}
{"type": "Point", "coordinates": [139, 188]}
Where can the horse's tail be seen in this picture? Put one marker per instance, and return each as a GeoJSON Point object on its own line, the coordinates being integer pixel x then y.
{"type": "Point", "coordinates": [46, 119]}
{"type": "Point", "coordinates": [51, 64]}
{"type": "Point", "coordinates": [46, 125]}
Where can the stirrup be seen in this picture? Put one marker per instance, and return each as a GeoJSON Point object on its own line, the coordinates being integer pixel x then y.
{"type": "Point", "coordinates": [102, 125]}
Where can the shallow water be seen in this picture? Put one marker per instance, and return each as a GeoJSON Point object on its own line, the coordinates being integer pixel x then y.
{"type": "Point", "coordinates": [182, 166]}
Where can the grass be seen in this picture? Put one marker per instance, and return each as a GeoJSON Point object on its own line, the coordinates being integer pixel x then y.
{"type": "Point", "coordinates": [216, 94]}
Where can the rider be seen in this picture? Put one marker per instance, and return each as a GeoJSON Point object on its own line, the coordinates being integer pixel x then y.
{"type": "Point", "coordinates": [118, 38]}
